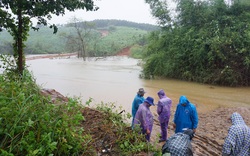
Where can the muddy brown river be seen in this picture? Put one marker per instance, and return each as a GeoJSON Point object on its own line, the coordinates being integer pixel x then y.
{"type": "Point", "coordinates": [116, 80]}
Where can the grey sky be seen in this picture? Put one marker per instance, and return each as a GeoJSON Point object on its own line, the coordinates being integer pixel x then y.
{"type": "Point", "coordinates": [130, 10]}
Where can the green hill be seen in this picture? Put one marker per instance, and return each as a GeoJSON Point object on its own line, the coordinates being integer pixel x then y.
{"type": "Point", "coordinates": [118, 34]}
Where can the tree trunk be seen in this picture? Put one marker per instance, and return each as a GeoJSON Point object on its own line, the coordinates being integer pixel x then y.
{"type": "Point", "coordinates": [20, 43]}
{"type": "Point", "coordinates": [83, 51]}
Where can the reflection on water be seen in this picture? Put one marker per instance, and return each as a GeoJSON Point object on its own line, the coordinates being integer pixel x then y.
{"type": "Point", "coordinates": [115, 79]}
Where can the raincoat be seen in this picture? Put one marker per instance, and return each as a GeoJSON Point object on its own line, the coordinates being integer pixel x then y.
{"type": "Point", "coordinates": [185, 116]}
{"type": "Point", "coordinates": [144, 118]}
{"type": "Point", "coordinates": [135, 105]}
{"type": "Point", "coordinates": [237, 143]}
{"type": "Point", "coordinates": [164, 112]}
{"type": "Point", "coordinates": [178, 145]}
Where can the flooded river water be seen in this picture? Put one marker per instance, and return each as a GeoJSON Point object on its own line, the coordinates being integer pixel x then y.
{"type": "Point", "coordinates": [116, 80]}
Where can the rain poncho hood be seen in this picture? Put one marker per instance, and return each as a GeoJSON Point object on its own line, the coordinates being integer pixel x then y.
{"type": "Point", "coordinates": [237, 143]}
{"type": "Point", "coordinates": [237, 119]}
{"type": "Point", "coordinates": [185, 116]}
{"type": "Point", "coordinates": [161, 94]}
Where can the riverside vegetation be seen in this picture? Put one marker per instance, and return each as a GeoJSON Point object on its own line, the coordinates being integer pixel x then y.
{"type": "Point", "coordinates": [34, 124]}
{"type": "Point", "coordinates": [205, 41]}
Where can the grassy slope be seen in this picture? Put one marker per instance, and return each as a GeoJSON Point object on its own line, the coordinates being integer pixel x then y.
{"type": "Point", "coordinates": [120, 38]}
{"type": "Point", "coordinates": [45, 42]}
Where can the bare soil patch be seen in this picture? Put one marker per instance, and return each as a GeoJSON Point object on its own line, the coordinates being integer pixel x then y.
{"type": "Point", "coordinates": [104, 32]}
{"type": "Point", "coordinates": [124, 52]}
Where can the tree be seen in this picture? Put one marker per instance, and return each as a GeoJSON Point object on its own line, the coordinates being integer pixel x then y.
{"type": "Point", "coordinates": [83, 31]}
{"type": "Point", "coordinates": [160, 10]}
{"type": "Point", "coordinates": [16, 16]}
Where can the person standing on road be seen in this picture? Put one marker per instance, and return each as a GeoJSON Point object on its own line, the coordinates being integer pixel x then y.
{"type": "Point", "coordinates": [138, 99]}
{"type": "Point", "coordinates": [185, 116]}
{"type": "Point", "coordinates": [144, 118]}
{"type": "Point", "coordinates": [164, 112]}
{"type": "Point", "coordinates": [237, 143]}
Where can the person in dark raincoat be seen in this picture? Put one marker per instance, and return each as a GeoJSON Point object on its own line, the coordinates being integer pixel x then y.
{"type": "Point", "coordinates": [179, 144]}
{"type": "Point", "coordinates": [185, 116]}
{"type": "Point", "coordinates": [237, 142]}
{"type": "Point", "coordinates": [144, 118]}
{"type": "Point", "coordinates": [138, 99]}
{"type": "Point", "coordinates": [164, 112]}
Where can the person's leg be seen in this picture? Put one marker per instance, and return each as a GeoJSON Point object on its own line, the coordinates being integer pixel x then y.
{"type": "Point", "coordinates": [148, 137]}
{"type": "Point", "coordinates": [189, 150]}
{"type": "Point", "coordinates": [163, 132]}
{"type": "Point", "coordinates": [132, 125]}
{"type": "Point", "coordinates": [167, 128]}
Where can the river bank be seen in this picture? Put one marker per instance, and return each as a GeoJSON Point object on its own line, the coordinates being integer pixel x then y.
{"type": "Point", "coordinates": [51, 56]}
{"type": "Point", "coordinates": [210, 134]}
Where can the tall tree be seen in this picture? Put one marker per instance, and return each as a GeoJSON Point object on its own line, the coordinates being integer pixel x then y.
{"type": "Point", "coordinates": [83, 31]}
{"type": "Point", "coordinates": [16, 16]}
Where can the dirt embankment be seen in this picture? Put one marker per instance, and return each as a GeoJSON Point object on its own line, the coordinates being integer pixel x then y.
{"type": "Point", "coordinates": [122, 52]}
{"type": "Point", "coordinates": [50, 56]}
{"type": "Point", "coordinates": [209, 138]}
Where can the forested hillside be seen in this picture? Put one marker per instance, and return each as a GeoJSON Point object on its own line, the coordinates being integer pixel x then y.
{"type": "Point", "coordinates": [100, 38]}
{"type": "Point", "coordinates": [207, 42]}
{"type": "Point", "coordinates": [107, 23]}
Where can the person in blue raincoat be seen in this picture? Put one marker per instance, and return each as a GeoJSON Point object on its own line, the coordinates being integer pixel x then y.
{"type": "Point", "coordinates": [164, 112]}
{"type": "Point", "coordinates": [186, 115]}
{"type": "Point", "coordinates": [138, 99]}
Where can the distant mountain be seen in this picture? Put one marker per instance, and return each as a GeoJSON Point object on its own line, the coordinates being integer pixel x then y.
{"type": "Point", "coordinates": [106, 23]}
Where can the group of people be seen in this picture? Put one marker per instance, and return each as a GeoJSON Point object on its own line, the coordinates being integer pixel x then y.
{"type": "Point", "coordinates": [237, 143]}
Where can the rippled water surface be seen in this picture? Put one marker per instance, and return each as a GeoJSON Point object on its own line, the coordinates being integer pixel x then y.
{"type": "Point", "coordinates": [116, 79]}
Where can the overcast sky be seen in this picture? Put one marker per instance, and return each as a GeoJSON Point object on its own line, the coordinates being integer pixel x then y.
{"type": "Point", "coordinates": [131, 10]}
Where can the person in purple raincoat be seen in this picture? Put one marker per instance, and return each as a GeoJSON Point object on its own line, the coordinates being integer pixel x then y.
{"type": "Point", "coordinates": [144, 118]}
{"type": "Point", "coordinates": [164, 111]}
